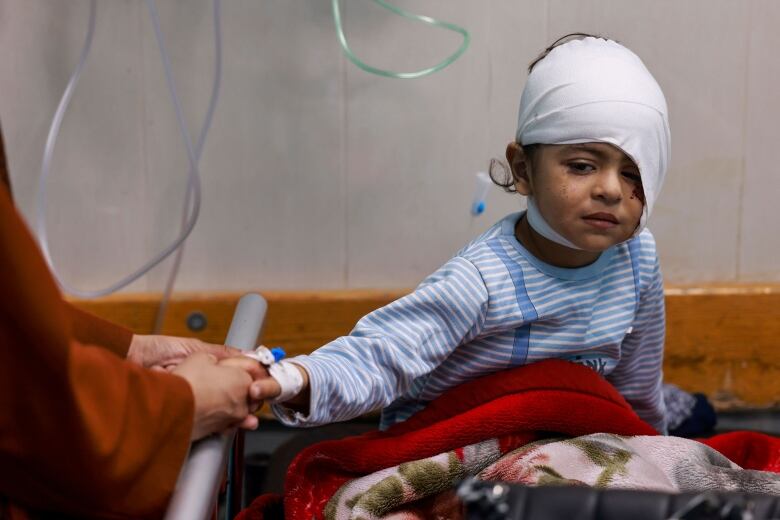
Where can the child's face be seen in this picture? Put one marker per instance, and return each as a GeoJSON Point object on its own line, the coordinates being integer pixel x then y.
{"type": "Point", "coordinates": [590, 193]}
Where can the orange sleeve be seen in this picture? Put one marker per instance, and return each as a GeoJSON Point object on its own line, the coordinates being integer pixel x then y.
{"type": "Point", "coordinates": [82, 432]}
{"type": "Point", "coordinates": [88, 328]}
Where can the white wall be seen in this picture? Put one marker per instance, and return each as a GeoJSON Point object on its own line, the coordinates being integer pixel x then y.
{"type": "Point", "coordinates": [318, 175]}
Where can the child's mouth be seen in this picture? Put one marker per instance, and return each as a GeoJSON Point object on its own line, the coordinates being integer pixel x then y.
{"type": "Point", "coordinates": [601, 220]}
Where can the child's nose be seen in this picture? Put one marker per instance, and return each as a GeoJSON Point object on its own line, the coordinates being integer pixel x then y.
{"type": "Point", "coordinates": [608, 187]}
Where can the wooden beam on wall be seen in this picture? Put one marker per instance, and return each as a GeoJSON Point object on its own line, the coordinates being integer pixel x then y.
{"type": "Point", "coordinates": [723, 341]}
{"type": "Point", "coordinates": [298, 321]}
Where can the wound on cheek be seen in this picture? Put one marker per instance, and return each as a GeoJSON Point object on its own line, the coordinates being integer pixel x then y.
{"type": "Point", "coordinates": [638, 193]}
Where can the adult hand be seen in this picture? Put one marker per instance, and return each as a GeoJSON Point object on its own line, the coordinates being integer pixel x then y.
{"type": "Point", "coordinates": [221, 392]}
{"type": "Point", "coordinates": [152, 351]}
{"type": "Point", "coordinates": [256, 371]}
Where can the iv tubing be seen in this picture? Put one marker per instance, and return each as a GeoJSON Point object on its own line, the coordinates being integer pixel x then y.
{"type": "Point", "coordinates": [166, 297]}
{"type": "Point", "coordinates": [193, 188]}
{"type": "Point", "coordinates": [406, 14]}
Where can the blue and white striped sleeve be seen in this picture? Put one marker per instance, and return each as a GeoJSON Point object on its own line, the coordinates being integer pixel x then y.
{"type": "Point", "coordinates": [639, 374]}
{"type": "Point", "coordinates": [392, 346]}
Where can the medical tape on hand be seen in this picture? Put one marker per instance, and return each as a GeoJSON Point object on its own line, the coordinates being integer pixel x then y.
{"type": "Point", "coordinates": [289, 378]}
{"type": "Point", "coordinates": [285, 373]}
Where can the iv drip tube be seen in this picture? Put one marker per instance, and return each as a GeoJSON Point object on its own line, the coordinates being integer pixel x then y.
{"type": "Point", "coordinates": [193, 195]}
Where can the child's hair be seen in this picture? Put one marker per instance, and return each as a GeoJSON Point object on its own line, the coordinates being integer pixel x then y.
{"type": "Point", "coordinates": [505, 177]}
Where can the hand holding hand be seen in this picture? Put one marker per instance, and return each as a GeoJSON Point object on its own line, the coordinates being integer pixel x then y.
{"type": "Point", "coordinates": [256, 371]}
{"type": "Point", "coordinates": [153, 351]}
{"type": "Point", "coordinates": [269, 388]}
{"type": "Point", "coordinates": [221, 392]}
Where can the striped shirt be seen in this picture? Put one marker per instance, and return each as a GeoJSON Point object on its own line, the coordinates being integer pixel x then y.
{"type": "Point", "coordinates": [495, 306]}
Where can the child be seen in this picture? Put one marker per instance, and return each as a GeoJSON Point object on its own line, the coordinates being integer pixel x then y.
{"type": "Point", "coordinates": [575, 277]}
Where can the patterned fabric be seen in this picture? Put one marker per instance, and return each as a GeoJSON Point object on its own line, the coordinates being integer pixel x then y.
{"type": "Point", "coordinates": [679, 405]}
{"type": "Point", "coordinates": [666, 464]}
{"type": "Point", "coordinates": [376, 495]}
{"type": "Point", "coordinates": [492, 307]}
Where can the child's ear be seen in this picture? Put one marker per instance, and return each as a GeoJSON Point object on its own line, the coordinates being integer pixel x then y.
{"type": "Point", "coordinates": [521, 167]}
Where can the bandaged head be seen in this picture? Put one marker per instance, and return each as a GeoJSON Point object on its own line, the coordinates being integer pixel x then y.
{"type": "Point", "coordinates": [596, 90]}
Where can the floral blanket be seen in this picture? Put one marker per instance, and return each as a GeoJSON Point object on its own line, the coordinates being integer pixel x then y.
{"type": "Point", "coordinates": [602, 460]}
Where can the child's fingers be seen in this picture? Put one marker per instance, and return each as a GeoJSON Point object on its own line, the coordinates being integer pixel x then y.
{"type": "Point", "coordinates": [266, 388]}
{"type": "Point", "coordinates": [254, 406]}
{"type": "Point", "coordinates": [250, 422]}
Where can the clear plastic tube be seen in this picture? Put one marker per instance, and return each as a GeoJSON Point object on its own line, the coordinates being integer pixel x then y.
{"type": "Point", "coordinates": [193, 195]}
{"type": "Point", "coordinates": [406, 14]}
{"type": "Point", "coordinates": [192, 201]}
{"type": "Point", "coordinates": [168, 291]}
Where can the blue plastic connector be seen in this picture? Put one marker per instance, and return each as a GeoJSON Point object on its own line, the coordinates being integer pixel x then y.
{"type": "Point", "coordinates": [278, 353]}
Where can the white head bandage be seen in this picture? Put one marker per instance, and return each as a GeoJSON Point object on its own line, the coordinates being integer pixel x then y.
{"type": "Point", "coordinates": [596, 90]}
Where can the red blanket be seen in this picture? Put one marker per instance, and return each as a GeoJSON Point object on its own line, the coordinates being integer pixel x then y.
{"type": "Point", "coordinates": [517, 406]}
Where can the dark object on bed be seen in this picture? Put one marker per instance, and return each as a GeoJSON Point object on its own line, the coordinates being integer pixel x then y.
{"type": "Point", "coordinates": [700, 423]}
{"type": "Point", "coordinates": [500, 501]}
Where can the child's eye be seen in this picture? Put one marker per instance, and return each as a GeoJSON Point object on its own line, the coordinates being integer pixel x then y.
{"type": "Point", "coordinates": [581, 167]}
{"type": "Point", "coordinates": [633, 177]}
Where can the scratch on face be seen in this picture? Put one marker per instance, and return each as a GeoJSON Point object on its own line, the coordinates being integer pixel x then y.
{"type": "Point", "coordinates": [638, 193]}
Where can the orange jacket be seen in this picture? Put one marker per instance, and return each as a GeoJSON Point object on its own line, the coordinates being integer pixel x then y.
{"type": "Point", "coordinates": [83, 432]}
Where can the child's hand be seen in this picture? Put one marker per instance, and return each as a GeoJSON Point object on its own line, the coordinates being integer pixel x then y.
{"type": "Point", "coordinates": [264, 388]}
{"type": "Point", "coordinates": [269, 388]}
{"type": "Point", "coordinates": [221, 392]}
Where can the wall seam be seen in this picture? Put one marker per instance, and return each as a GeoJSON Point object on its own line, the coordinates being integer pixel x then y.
{"type": "Point", "coordinates": [743, 172]}
{"type": "Point", "coordinates": [343, 152]}
{"type": "Point", "coordinates": [147, 279]}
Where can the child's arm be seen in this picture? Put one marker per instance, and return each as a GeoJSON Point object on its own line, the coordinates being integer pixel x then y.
{"type": "Point", "coordinates": [391, 347]}
{"type": "Point", "coordinates": [639, 374]}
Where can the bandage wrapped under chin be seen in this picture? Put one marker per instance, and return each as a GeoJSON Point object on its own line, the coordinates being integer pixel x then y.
{"type": "Point", "coordinates": [596, 90]}
{"type": "Point", "coordinates": [284, 372]}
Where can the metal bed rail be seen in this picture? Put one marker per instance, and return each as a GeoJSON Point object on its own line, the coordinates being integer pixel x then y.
{"type": "Point", "coordinates": [196, 490]}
